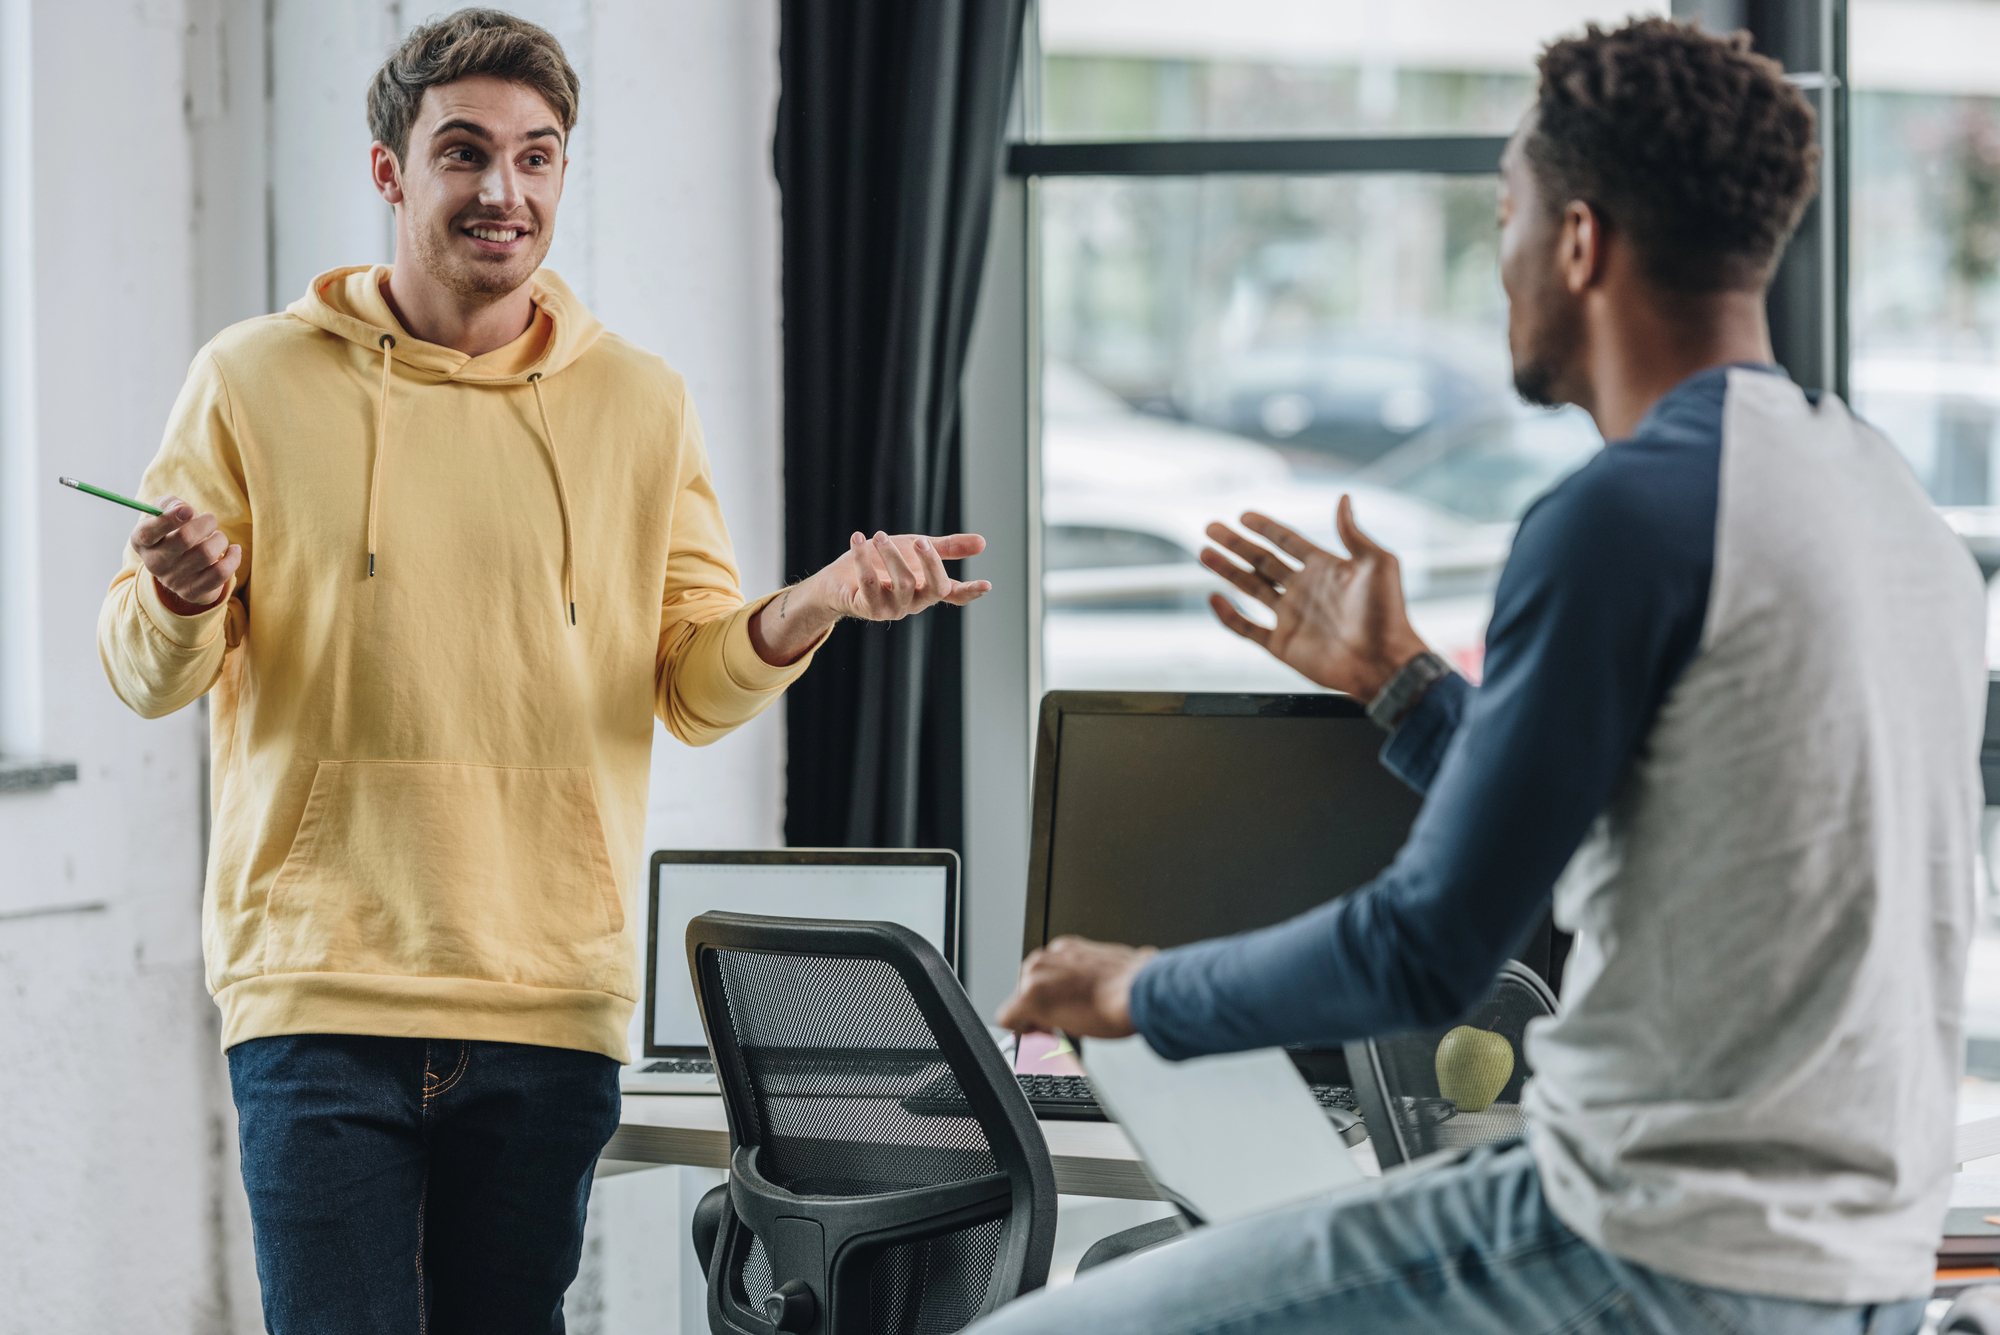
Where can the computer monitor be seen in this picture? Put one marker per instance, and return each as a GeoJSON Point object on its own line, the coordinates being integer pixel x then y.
{"type": "Point", "coordinates": [1161, 819]}
{"type": "Point", "coordinates": [917, 888]}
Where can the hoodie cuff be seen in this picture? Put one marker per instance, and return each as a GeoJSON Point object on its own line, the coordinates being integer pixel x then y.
{"type": "Point", "coordinates": [195, 632]}
{"type": "Point", "coordinates": [747, 667]}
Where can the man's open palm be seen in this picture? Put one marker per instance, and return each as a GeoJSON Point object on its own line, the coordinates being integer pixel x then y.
{"type": "Point", "coordinates": [1340, 620]}
{"type": "Point", "coordinates": [887, 578]}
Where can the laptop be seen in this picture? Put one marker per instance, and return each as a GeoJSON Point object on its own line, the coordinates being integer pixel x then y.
{"type": "Point", "coordinates": [917, 888]}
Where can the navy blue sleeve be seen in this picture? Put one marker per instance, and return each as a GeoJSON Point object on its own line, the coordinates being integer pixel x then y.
{"type": "Point", "coordinates": [1416, 749]}
{"type": "Point", "coordinates": [1598, 610]}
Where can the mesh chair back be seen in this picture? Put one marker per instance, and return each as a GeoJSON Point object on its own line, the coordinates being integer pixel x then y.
{"type": "Point", "coordinates": [882, 1155]}
{"type": "Point", "coordinates": [1417, 1100]}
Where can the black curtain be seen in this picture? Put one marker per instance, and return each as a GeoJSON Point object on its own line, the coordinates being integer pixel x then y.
{"type": "Point", "coordinates": [891, 122]}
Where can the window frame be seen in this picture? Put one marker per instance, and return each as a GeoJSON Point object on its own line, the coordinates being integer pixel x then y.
{"type": "Point", "coordinates": [21, 735]}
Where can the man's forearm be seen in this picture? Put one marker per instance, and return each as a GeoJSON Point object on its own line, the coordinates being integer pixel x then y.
{"type": "Point", "coordinates": [1366, 964]}
{"type": "Point", "coordinates": [790, 624]}
{"type": "Point", "coordinates": [1416, 749]}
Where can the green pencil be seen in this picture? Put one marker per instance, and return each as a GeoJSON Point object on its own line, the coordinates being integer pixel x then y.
{"type": "Point", "coordinates": [107, 495]}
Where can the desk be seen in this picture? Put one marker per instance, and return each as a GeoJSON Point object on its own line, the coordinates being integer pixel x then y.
{"type": "Point", "coordinates": [1091, 1158]}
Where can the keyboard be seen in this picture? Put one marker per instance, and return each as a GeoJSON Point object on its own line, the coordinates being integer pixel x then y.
{"type": "Point", "coordinates": [1058, 1098]}
{"type": "Point", "coordinates": [1067, 1098]}
{"type": "Point", "coordinates": [678, 1066]}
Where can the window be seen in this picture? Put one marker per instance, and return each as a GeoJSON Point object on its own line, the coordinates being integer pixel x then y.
{"type": "Point", "coordinates": [1924, 306]}
{"type": "Point", "coordinates": [1233, 317]}
{"type": "Point", "coordinates": [1924, 326]}
{"type": "Point", "coordinates": [20, 594]}
{"type": "Point", "coordinates": [1187, 69]}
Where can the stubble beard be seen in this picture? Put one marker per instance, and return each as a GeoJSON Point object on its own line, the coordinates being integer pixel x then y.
{"type": "Point", "coordinates": [438, 253]}
{"type": "Point", "coordinates": [1552, 339]}
{"type": "Point", "coordinates": [1535, 382]}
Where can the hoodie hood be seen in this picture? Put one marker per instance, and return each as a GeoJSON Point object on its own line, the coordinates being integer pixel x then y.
{"type": "Point", "coordinates": [349, 303]}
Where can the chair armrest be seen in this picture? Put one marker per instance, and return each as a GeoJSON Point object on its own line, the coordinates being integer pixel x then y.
{"type": "Point", "coordinates": [1132, 1241]}
{"type": "Point", "coordinates": [709, 1216]}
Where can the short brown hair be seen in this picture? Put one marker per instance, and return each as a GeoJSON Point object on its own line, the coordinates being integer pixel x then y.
{"type": "Point", "coordinates": [458, 46]}
{"type": "Point", "coordinates": [1693, 145]}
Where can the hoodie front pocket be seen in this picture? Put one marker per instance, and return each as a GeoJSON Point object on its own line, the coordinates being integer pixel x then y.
{"type": "Point", "coordinates": [440, 870]}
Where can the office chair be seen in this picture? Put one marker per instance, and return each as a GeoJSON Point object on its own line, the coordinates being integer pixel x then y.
{"type": "Point", "coordinates": [886, 1175]}
{"type": "Point", "coordinates": [1977, 1312]}
{"type": "Point", "coordinates": [1397, 1080]}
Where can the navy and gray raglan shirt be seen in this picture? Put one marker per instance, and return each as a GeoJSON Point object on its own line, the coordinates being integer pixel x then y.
{"type": "Point", "coordinates": [1730, 720]}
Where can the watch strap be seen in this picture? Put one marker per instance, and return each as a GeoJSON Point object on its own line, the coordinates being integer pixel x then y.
{"type": "Point", "coordinates": [1405, 689]}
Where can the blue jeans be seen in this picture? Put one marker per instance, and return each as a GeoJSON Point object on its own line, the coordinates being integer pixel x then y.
{"type": "Point", "coordinates": [1471, 1248]}
{"type": "Point", "coordinates": [403, 1185]}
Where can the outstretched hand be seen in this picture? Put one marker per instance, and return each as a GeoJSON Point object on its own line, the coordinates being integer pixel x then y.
{"type": "Point", "coordinates": [1341, 621]}
{"type": "Point", "coordinates": [888, 578]}
{"type": "Point", "coordinates": [882, 578]}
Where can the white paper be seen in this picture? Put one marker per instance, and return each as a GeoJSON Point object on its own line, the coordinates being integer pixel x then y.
{"type": "Point", "coordinates": [1223, 1137]}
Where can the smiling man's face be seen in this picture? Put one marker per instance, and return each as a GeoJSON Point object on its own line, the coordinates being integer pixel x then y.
{"type": "Point", "coordinates": [477, 193]}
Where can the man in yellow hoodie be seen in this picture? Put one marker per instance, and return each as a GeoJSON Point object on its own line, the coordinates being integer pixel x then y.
{"type": "Point", "coordinates": [442, 548]}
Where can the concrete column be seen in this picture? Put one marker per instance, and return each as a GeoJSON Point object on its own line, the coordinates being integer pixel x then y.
{"type": "Point", "coordinates": [20, 590]}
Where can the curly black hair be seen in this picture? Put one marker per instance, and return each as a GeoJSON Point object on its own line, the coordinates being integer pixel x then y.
{"type": "Point", "coordinates": [1690, 143]}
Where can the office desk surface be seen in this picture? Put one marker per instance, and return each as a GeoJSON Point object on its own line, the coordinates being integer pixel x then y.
{"type": "Point", "coordinates": [1091, 1158]}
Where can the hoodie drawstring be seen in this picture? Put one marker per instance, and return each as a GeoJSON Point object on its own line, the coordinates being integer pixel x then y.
{"type": "Point", "coordinates": [562, 499]}
{"type": "Point", "coordinates": [386, 343]}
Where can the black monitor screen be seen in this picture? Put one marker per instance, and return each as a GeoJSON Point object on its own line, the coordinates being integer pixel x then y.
{"type": "Point", "coordinates": [1162, 825]}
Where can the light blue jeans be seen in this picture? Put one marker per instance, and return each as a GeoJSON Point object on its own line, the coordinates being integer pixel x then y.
{"type": "Point", "coordinates": [1471, 1248]}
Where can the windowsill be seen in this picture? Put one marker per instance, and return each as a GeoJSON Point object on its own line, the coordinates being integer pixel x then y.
{"type": "Point", "coordinates": [34, 776]}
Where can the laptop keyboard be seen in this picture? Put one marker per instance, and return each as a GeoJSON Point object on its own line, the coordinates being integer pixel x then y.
{"type": "Point", "coordinates": [1062, 1098]}
{"type": "Point", "coordinates": [678, 1066]}
{"type": "Point", "coordinates": [1068, 1098]}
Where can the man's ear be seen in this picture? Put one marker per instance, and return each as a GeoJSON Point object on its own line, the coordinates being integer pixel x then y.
{"type": "Point", "coordinates": [1580, 254]}
{"type": "Point", "coordinates": [385, 172]}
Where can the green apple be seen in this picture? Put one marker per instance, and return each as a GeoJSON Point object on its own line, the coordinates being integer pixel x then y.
{"type": "Point", "coordinates": [1473, 1066]}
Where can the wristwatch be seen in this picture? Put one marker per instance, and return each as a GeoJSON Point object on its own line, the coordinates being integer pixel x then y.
{"type": "Point", "coordinates": [1405, 689]}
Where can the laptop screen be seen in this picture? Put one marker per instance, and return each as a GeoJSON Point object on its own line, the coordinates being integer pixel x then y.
{"type": "Point", "coordinates": [916, 889]}
{"type": "Point", "coordinates": [1045, 1054]}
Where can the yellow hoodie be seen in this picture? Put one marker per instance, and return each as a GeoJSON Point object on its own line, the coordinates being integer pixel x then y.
{"type": "Point", "coordinates": [429, 783]}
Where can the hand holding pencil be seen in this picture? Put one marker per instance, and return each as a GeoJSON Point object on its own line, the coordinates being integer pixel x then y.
{"type": "Point", "coordinates": [188, 556]}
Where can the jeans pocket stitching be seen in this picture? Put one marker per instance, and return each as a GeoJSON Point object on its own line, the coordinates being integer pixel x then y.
{"type": "Point", "coordinates": [1617, 1297]}
{"type": "Point", "coordinates": [1697, 1295]}
{"type": "Point", "coordinates": [464, 1060]}
{"type": "Point", "coordinates": [423, 1201]}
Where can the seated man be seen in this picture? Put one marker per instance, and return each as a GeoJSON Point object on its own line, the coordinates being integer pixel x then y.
{"type": "Point", "coordinates": [1731, 716]}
